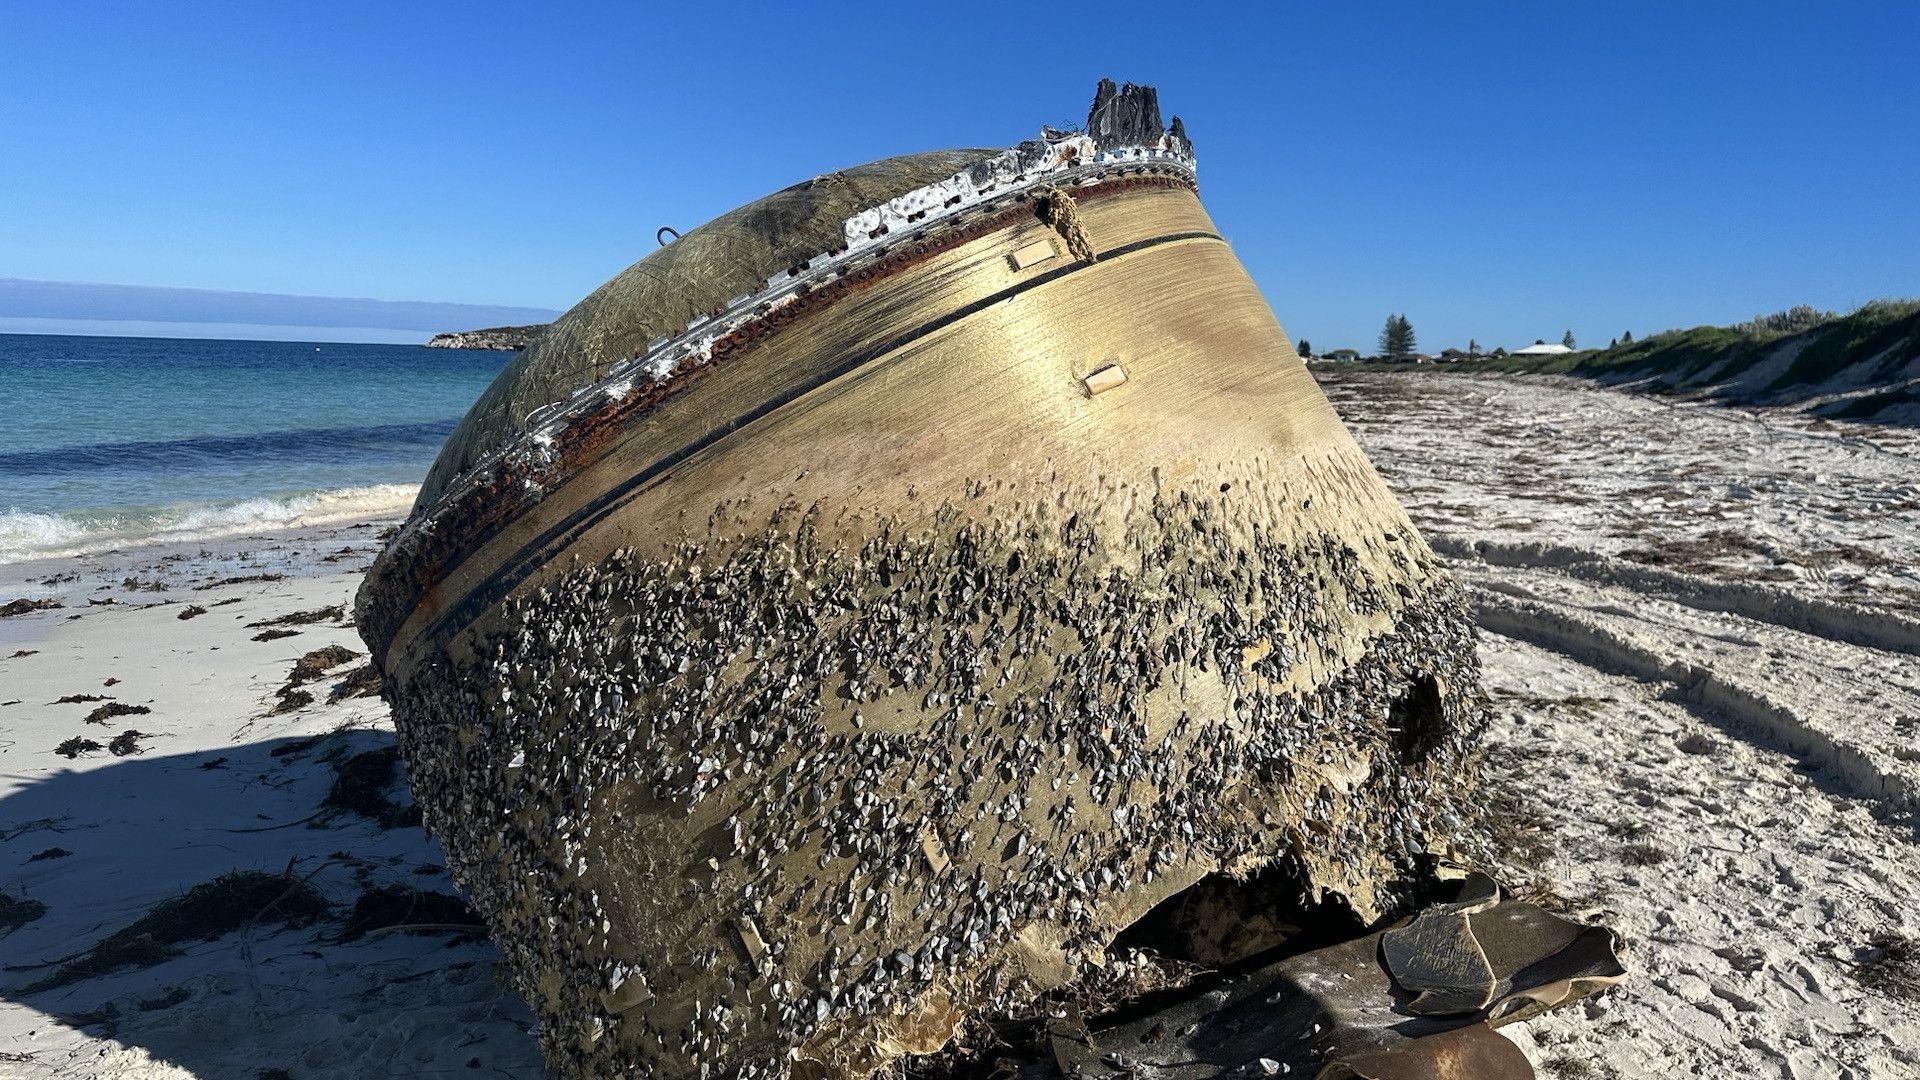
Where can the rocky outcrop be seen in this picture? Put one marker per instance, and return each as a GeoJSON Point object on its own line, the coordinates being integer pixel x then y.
{"type": "Point", "coordinates": [500, 338]}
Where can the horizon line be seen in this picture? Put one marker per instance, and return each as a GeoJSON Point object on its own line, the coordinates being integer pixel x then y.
{"type": "Point", "coordinates": [157, 305]}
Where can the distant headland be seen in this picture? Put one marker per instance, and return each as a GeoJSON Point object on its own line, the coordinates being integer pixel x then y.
{"type": "Point", "coordinates": [502, 338]}
{"type": "Point", "coordinates": [31, 306]}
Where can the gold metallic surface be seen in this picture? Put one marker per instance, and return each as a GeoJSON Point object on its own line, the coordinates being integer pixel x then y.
{"type": "Point", "coordinates": [1207, 610]}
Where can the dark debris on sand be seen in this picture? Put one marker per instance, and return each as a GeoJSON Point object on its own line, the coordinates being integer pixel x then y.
{"type": "Point", "coordinates": [331, 613]}
{"type": "Point", "coordinates": [313, 665]}
{"type": "Point", "coordinates": [190, 611]}
{"type": "Point", "coordinates": [230, 902]}
{"type": "Point", "coordinates": [241, 580]}
{"type": "Point", "coordinates": [390, 907]}
{"type": "Point", "coordinates": [50, 853]}
{"type": "Point", "coordinates": [318, 662]}
{"type": "Point", "coordinates": [275, 635]}
{"type": "Point", "coordinates": [74, 747]}
{"type": "Point", "coordinates": [1890, 963]}
{"type": "Point", "coordinates": [23, 606]}
{"type": "Point", "coordinates": [16, 911]}
{"type": "Point", "coordinates": [115, 708]}
{"type": "Point", "coordinates": [296, 746]}
{"type": "Point", "coordinates": [127, 743]}
{"type": "Point", "coordinates": [362, 786]}
{"type": "Point", "coordinates": [363, 681]}
{"type": "Point", "coordinates": [289, 700]}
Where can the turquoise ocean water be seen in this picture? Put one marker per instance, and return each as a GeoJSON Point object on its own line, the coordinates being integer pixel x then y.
{"type": "Point", "coordinates": [106, 441]}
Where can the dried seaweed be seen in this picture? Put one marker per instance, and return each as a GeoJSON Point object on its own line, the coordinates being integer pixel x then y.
{"type": "Point", "coordinates": [205, 912]}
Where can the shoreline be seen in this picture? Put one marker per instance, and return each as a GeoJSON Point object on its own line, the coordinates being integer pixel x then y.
{"type": "Point", "coordinates": [189, 526]}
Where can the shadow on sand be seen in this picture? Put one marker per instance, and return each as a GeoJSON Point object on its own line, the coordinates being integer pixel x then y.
{"type": "Point", "coordinates": [253, 912]}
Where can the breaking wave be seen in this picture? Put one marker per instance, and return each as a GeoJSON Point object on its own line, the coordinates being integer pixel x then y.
{"type": "Point", "coordinates": [26, 535]}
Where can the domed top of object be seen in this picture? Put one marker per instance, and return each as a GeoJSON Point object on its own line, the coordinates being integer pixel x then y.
{"type": "Point", "coordinates": [732, 255]}
{"type": "Point", "coordinates": [668, 312]}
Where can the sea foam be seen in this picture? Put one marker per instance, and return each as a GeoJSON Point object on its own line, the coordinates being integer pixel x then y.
{"type": "Point", "coordinates": [26, 535]}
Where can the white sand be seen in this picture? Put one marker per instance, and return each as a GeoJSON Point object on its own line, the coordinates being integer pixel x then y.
{"type": "Point", "coordinates": [1718, 733]}
{"type": "Point", "coordinates": [146, 827]}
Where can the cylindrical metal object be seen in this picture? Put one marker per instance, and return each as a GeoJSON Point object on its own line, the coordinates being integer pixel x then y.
{"type": "Point", "coordinates": [876, 665]}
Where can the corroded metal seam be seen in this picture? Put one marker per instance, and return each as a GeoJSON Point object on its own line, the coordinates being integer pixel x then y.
{"type": "Point", "coordinates": [503, 487]}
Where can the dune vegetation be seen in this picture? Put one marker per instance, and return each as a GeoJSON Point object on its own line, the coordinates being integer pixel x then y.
{"type": "Point", "coordinates": [1862, 365]}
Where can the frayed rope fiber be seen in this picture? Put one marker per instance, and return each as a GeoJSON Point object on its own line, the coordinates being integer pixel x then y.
{"type": "Point", "coordinates": [1058, 209]}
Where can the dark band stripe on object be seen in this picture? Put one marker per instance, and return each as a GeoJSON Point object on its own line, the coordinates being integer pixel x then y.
{"type": "Point", "coordinates": [532, 555]}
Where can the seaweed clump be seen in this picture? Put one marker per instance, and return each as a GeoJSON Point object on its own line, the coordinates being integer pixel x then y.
{"type": "Point", "coordinates": [362, 784]}
{"type": "Point", "coordinates": [318, 662]}
{"type": "Point", "coordinates": [313, 665]}
{"type": "Point", "coordinates": [209, 910]}
{"type": "Point", "coordinates": [361, 682]}
{"type": "Point", "coordinates": [24, 606]}
{"type": "Point", "coordinates": [1891, 965]}
{"type": "Point", "coordinates": [74, 747]}
{"type": "Point", "coordinates": [420, 911]}
{"type": "Point", "coordinates": [17, 911]}
{"type": "Point", "coordinates": [113, 709]}
{"type": "Point", "coordinates": [331, 613]}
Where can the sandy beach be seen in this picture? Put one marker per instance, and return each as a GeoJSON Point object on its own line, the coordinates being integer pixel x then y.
{"type": "Point", "coordinates": [226, 775]}
{"type": "Point", "coordinates": [1698, 632]}
{"type": "Point", "coordinates": [1701, 633]}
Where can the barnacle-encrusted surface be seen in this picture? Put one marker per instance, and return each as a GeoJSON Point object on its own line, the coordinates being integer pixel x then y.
{"type": "Point", "coordinates": [798, 797]}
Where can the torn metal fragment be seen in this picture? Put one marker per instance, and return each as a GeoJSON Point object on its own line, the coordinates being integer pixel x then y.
{"type": "Point", "coordinates": [1340, 1013]}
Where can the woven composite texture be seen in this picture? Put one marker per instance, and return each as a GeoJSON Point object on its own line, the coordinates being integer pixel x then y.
{"type": "Point", "coordinates": [728, 256]}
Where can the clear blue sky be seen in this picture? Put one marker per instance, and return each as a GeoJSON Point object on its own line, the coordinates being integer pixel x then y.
{"type": "Point", "coordinates": [1499, 171]}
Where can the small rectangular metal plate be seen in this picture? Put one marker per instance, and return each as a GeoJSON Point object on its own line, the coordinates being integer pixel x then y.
{"type": "Point", "coordinates": [1033, 254]}
{"type": "Point", "coordinates": [1106, 379]}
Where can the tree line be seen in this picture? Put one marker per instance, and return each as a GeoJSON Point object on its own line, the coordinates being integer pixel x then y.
{"type": "Point", "coordinates": [1398, 341]}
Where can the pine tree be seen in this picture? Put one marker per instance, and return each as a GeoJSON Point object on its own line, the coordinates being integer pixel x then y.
{"type": "Point", "coordinates": [1473, 347]}
{"type": "Point", "coordinates": [1626, 338]}
{"type": "Point", "coordinates": [1567, 340]}
{"type": "Point", "coordinates": [1306, 349]}
{"type": "Point", "coordinates": [1396, 338]}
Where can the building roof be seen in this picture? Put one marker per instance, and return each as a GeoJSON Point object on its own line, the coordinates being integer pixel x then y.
{"type": "Point", "coordinates": [1542, 350]}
